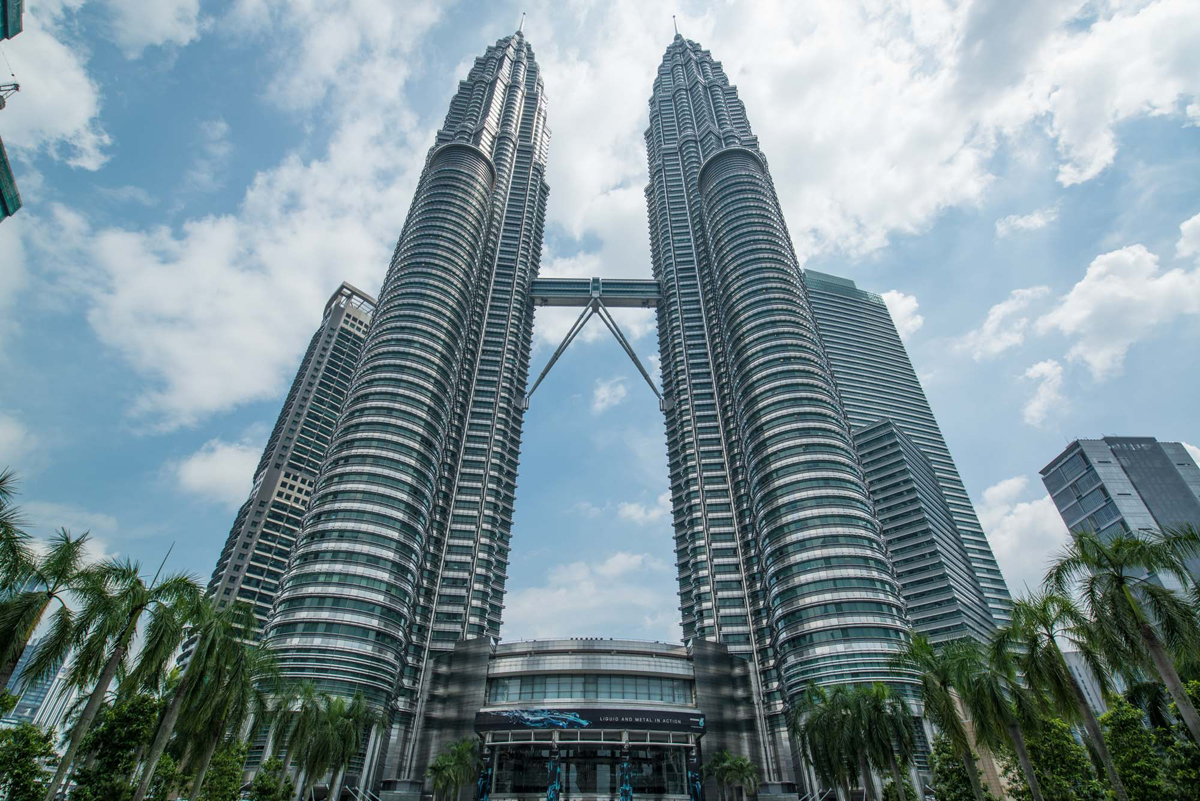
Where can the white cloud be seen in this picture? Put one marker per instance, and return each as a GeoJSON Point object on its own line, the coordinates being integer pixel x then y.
{"type": "Point", "coordinates": [1122, 299]}
{"type": "Point", "coordinates": [213, 150]}
{"type": "Point", "coordinates": [16, 441]}
{"type": "Point", "coordinates": [138, 24]}
{"type": "Point", "coordinates": [1002, 328]}
{"type": "Point", "coordinates": [624, 595]}
{"type": "Point", "coordinates": [44, 518]}
{"type": "Point", "coordinates": [1048, 396]}
{"type": "Point", "coordinates": [608, 393]}
{"type": "Point", "coordinates": [1189, 238]}
{"type": "Point", "coordinates": [58, 108]}
{"type": "Point", "coordinates": [903, 309]}
{"type": "Point", "coordinates": [220, 472]}
{"type": "Point", "coordinates": [1193, 451]}
{"type": "Point", "coordinates": [128, 194]}
{"type": "Point", "coordinates": [217, 312]}
{"type": "Point", "coordinates": [1024, 533]}
{"type": "Point", "coordinates": [1033, 221]}
{"type": "Point", "coordinates": [643, 514]}
{"type": "Point", "coordinates": [1087, 92]}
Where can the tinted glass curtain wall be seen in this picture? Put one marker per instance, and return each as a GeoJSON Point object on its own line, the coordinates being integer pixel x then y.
{"type": "Point", "coordinates": [405, 544]}
{"type": "Point", "coordinates": [779, 552]}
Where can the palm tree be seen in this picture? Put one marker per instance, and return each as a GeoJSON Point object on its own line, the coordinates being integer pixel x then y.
{"type": "Point", "coordinates": [231, 692]}
{"type": "Point", "coordinates": [717, 768]}
{"type": "Point", "coordinates": [887, 729]}
{"type": "Point", "coordinates": [822, 721]}
{"type": "Point", "coordinates": [1136, 616]}
{"type": "Point", "coordinates": [14, 543]}
{"type": "Point", "coordinates": [464, 756]}
{"type": "Point", "coordinates": [348, 728]}
{"type": "Point", "coordinates": [115, 599]}
{"type": "Point", "coordinates": [1039, 623]}
{"type": "Point", "coordinates": [36, 582]}
{"type": "Point", "coordinates": [743, 773]}
{"type": "Point", "coordinates": [294, 730]}
{"type": "Point", "coordinates": [935, 670]}
{"type": "Point", "coordinates": [217, 633]}
{"type": "Point", "coordinates": [441, 773]}
{"type": "Point", "coordinates": [998, 704]}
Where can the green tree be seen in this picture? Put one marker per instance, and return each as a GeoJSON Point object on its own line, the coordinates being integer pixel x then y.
{"type": "Point", "coordinates": [167, 780]}
{"type": "Point", "coordinates": [717, 768]}
{"type": "Point", "coordinates": [889, 791]}
{"type": "Point", "coordinates": [1133, 750]}
{"type": "Point", "coordinates": [936, 669]}
{"type": "Point", "coordinates": [1064, 771]}
{"type": "Point", "coordinates": [224, 782]}
{"type": "Point", "coordinates": [1039, 623]}
{"type": "Point", "coordinates": [950, 779]}
{"type": "Point", "coordinates": [116, 599]}
{"type": "Point", "coordinates": [1183, 756]}
{"type": "Point", "coordinates": [111, 749]}
{"type": "Point", "coordinates": [14, 543]}
{"type": "Point", "coordinates": [270, 783]}
{"type": "Point", "coordinates": [1140, 622]}
{"type": "Point", "coordinates": [22, 748]}
{"type": "Point", "coordinates": [37, 583]}
{"type": "Point", "coordinates": [441, 773]}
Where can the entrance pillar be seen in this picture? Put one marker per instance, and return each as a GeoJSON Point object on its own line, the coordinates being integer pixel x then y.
{"type": "Point", "coordinates": [553, 777]}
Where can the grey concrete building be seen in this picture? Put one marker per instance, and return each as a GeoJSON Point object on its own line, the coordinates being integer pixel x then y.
{"type": "Point", "coordinates": [1125, 483]}
{"type": "Point", "coordinates": [876, 381]}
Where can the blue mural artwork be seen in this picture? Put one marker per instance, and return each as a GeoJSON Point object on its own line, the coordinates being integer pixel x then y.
{"type": "Point", "coordinates": [483, 788]}
{"type": "Point", "coordinates": [553, 769]}
{"type": "Point", "coordinates": [545, 719]}
{"type": "Point", "coordinates": [695, 783]}
{"type": "Point", "coordinates": [626, 777]}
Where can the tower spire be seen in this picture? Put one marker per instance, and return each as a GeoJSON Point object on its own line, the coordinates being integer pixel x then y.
{"type": "Point", "coordinates": [521, 27]}
{"type": "Point", "coordinates": [675, 23]}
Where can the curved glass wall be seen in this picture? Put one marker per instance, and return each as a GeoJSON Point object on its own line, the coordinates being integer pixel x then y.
{"type": "Point", "coordinates": [588, 687]}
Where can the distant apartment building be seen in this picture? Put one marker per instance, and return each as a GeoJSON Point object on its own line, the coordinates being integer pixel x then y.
{"type": "Point", "coordinates": [1125, 484]}
{"type": "Point", "coordinates": [949, 576]}
{"type": "Point", "coordinates": [264, 531]}
{"type": "Point", "coordinates": [31, 698]}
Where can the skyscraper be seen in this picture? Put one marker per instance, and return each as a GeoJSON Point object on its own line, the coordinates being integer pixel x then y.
{"type": "Point", "coordinates": [876, 381]}
{"type": "Point", "coordinates": [264, 531]}
{"type": "Point", "coordinates": [779, 553]}
{"type": "Point", "coordinates": [1125, 483]}
{"type": "Point", "coordinates": [405, 547]}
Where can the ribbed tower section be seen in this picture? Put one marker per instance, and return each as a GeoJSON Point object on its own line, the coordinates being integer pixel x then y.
{"type": "Point", "coordinates": [405, 545]}
{"type": "Point", "coordinates": [779, 553]}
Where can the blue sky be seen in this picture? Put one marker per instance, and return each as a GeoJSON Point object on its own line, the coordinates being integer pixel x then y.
{"type": "Point", "coordinates": [1021, 182]}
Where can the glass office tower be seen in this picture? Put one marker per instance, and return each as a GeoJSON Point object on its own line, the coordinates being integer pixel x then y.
{"type": "Point", "coordinates": [779, 553]}
{"type": "Point", "coordinates": [405, 546]}
{"type": "Point", "coordinates": [1125, 483]}
{"type": "Point", "coordinates": [876, 381]}
{"type": "Point", "coordinates": [264, 532]}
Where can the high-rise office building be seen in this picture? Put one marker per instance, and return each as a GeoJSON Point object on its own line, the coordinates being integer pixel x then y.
{"type": "Point", "coordinates": [405, 547]}
{"type": "Point", "coordinates": [264, 531]}
{"type": "Point", "coordinates": [945, 601]}
{"type": "Point", "coordinates": [876, 381]}
{"type": "Point", "coordinates": [1126, 483]}
{"type": "Point", "coordinates": [33, 695]}
{"type": "Point", "coordinates": [780, 556]}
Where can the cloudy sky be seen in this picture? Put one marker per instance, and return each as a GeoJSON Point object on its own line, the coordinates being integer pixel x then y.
{"type": "Point", "coordinates": [1021, 182]}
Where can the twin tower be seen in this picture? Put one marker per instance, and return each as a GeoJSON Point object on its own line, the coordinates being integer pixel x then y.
{"type": "Point", "coordinates": [782, 561]}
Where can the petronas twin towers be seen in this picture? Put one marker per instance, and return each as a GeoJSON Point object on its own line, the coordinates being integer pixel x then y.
{"type": "Point", "coordinates": [405, 547]}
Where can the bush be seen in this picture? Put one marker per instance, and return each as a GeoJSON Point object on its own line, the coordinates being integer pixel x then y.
{"type": "Point", "coordinates": [950, 781]}
{"type": "Point", "coordinates": [1063, 769]}
{"type": "Point", "coordinates": [270, 784]}
{"type": "Point", "coordinates": [889, 791]}
{"type": "Point", "coordinates": [1183, 755]}
{"type": "Point", "coordinates": [112, 747]}
{"type": "Point", "coordinates": [22, 777]}
{"type": "Point", "coordinates": [223, 781]}
{"type": "Point", "coordinates": [1132, 748]}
